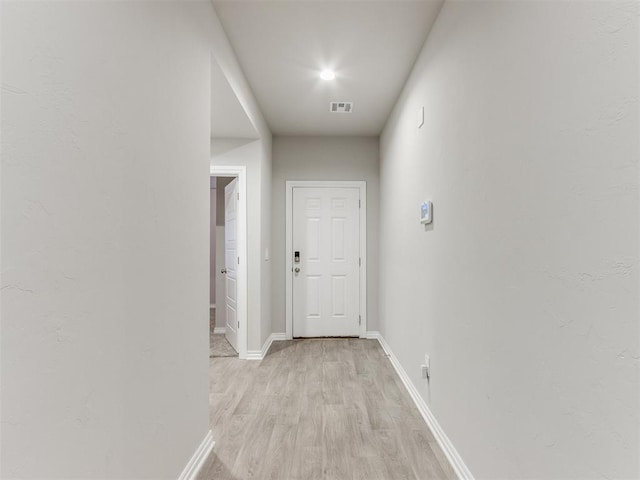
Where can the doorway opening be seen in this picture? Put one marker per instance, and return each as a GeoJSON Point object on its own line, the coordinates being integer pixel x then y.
{"type": "Point", "coordinates": [223, 335]}
{"type": "Point", "coordinates": [228, 262]}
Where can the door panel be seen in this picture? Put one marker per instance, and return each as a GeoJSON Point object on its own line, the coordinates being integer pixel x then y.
{"type": "Point", "coordinates": [313, 296]}
{"type": "Point", "coordinates": [326, 290]}
{"type": "Point", "coordinates": [231, 262]}
{"type": "Point", "coordinates": [338, 240]}
{"type": "Point", "coordinates": [338, 295]}
{"type": "Point", "coordinates": [313, 239]}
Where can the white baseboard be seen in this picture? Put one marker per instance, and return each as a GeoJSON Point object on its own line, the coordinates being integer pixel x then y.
{"type": "Point", "coordinates": [190, 472]}
{"type": "Point", "coordinates": [260, 354]}
{"type": "Point", "coordinates": [219, 331]}
{"type": "Point", "coordinates": [447, 447]}
{"type": "Point", "coordinates": [254, 355]}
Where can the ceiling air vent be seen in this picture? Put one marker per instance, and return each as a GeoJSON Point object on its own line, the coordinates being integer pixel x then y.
{"type": "Point", "coordinates": [341, 107]}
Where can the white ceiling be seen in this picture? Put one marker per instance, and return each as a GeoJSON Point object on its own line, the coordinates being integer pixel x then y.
{"type": "Point", "coordinates": [228, 118]}
{"type": "Point", "coordinates": [282, 46]}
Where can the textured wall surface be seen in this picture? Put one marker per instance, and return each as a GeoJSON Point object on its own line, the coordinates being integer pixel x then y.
{"type": "Point", "coordinates": [524, 291]}
{"type": "Point", "coordinates": [324, 158]}
{"type": "Point", "coordinates": [105, 214]}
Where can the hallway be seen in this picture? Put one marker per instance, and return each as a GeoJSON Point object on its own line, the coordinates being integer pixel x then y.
{"type": "Point", "coordinates": [495, 151]}
{"type": "Point", "coordinates": [314, 409]}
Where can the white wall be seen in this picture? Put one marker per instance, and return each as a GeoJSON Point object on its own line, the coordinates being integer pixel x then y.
{"type": "Point", "coordinates": [105, 158]}
{"type": "Point", "coordinates": [259, 221]}
{"type": "Point", "coordinates": [323, 158]}
{"type": "Point", "coordinates": [266, 172]}
{"type": "Point", "coordinates": [525, 290]}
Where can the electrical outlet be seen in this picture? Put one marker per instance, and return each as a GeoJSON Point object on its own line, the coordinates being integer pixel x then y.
{"type": "Point", "coordinates": [426, 368]}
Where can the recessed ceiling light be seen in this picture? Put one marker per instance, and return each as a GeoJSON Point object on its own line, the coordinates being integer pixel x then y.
{"type": "Point", "coordinates": [327, 74]}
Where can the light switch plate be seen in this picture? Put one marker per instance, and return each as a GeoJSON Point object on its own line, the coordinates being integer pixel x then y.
{"type": "Point", "coordinates": [426, 212]}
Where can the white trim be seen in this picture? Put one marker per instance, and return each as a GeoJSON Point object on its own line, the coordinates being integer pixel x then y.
{"type": "Point", "coordinates": [219, 330]}
{"type": "Point", "coordinates": [454, 458]}
{"type": "Point", "coordinates": [192, 468]}
{"type": "Point", "coordinates": [260, 354]}
{"type": "Point", "coordinates": [363, 256]}
{"type": "Point", "coordinates": [240, 172]}
{"type": "Point", "coordinates": [290, 185]}
{"type": "Point", "coordinates": [254, 355]}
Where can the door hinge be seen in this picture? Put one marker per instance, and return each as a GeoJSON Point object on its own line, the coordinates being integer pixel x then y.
{"type": "Point", "coordinates": [359, 203]}
{"type": "Point", "coordinates": [238, 193]}
{"type": "Point", "coordinates": [359, 319]}
{"type": "Point", "coordinates": [360, 261]}
{"type": "Point", "coordinates": [238, 323]}
{"type": "Point", "coordinates": [238, 260]}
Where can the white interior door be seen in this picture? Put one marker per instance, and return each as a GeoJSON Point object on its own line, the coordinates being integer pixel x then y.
{"type": "Point", "coordinates": [221, 309]}
{"type": "Point", "coordinates": [231, 262]}
{"type": "Point", "coordinates": [326, 279]}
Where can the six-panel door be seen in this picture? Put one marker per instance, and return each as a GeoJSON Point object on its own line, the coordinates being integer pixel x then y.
{"type": "Point", "coordinates": [326, 284]}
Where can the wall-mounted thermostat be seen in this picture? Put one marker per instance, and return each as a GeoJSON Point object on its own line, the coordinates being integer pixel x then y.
{"type": "Point", "coordinates": [426, 212]}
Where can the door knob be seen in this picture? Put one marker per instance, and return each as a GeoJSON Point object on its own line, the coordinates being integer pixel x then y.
{"type": "Point", "coordinates": [297, 269]}
{"type": "Point", "coordinates": [223, 271]}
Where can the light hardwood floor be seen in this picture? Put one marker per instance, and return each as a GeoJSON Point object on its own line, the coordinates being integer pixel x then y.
{"type": "Point", "coordinates": [317, 409]}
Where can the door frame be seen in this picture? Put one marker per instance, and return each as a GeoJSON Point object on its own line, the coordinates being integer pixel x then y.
{"type": "Point", "coordinates": [240, 172]}
{"type": "Point", "coordinates": [289, 186]}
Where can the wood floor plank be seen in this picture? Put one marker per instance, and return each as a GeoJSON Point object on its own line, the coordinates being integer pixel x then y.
{"type": "Point", "coordinates": [417, 449]}
{"type": "Point", "coordinates": [378, 416]}
{"type": "Point", "coordinates": [277, 380]}
{"type": "Point", "coordinates": [234, 432]}
{"type": "Point", "coordinates": [215, 468]}
{"type": "Point", "coordinates": [279, 459]}
{"type": "Point", "coordinates": [332, 382]}
{"type": "Point", "coordinates": [370, 468]}
{"type": "Point", "coordinates": [251, 456]}
{"type": "Point", "coordinates": [359, 432]}
{"type": "Point", "coordinates": [318, 409]}
{"type": "Point", "coordinates": [310, 423]}
{"type": "Point", "coordinates": [336, 461]}
{"type": "Point", "coordinates": [307, 463]}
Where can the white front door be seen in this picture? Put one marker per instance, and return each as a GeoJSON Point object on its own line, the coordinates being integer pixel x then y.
{"type": "Point", "coordinates": [231, 262]}
{"type": "Point", "coordinates": [326, 251]}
